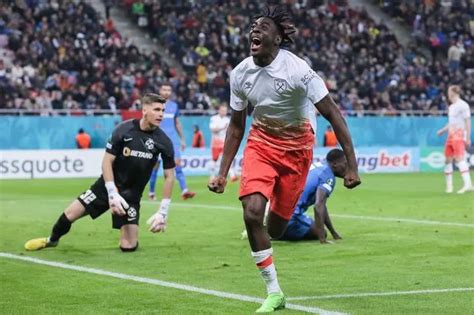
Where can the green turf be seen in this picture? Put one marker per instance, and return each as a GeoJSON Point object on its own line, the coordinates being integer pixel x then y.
{"type": "Point", "coordinates": [202, 248]}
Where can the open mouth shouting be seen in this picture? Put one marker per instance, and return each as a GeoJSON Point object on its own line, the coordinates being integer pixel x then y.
{"type": "Point", "coordinates": [255, 43]}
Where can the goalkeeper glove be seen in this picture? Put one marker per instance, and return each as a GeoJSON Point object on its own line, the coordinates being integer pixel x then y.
{"type": "Point", "coordinates": [158, 221]}
{"type": "Point", "coordinates": [117, 204]}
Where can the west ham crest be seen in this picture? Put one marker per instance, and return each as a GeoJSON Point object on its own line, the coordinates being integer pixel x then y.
{"type": "Point", "coordinates": [280, 85]}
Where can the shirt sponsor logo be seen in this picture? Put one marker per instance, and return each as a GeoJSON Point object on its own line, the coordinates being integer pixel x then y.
{"type": "Point", "coordinates": [308, 77]}
{"type": "Point", "coordinates": [139, 154]}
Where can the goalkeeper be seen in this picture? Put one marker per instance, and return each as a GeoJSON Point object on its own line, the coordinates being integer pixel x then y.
{"type": "Point", "coordinates": [130, 155]}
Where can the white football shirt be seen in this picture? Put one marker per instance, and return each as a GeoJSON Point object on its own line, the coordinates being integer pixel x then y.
{"type": "Point", "coordinates": [218, 122]}
{"type": "Point", "coordinates": [283, 94]}
{"type": "Point", "coordinates": [458, 112]}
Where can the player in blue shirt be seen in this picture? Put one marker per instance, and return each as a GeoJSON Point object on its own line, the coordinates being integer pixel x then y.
{"type": "Point", "coordinates": [320, 184]}
{"type": "Point", "coordinates": [173, 129]}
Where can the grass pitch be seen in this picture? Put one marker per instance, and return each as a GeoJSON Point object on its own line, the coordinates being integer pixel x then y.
{"type": "Point", "coordinates": [379, 253]}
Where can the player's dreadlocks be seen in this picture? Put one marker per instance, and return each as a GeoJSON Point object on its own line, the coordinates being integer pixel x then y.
{"type": "Point", "coordinates": [282, 20]}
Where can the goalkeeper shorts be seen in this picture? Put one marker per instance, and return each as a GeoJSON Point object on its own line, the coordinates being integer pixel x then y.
{"type": "Point", "coordinates": [96, 202]}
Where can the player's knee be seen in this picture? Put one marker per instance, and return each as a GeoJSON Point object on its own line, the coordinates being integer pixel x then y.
{"type": "Point", "coordinates": [128, 243]}
{"type": "Point", "coordinates": [253, 215]}
{"type": "Point", "coordinates": [128, 248]}
{"type": "Point", "coordinates": [75, 211]}
{"type": "Point", "coordinates": [275, 232]}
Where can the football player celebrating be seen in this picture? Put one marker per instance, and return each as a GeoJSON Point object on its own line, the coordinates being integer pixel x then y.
{"type": "Point", "coordinates": [283, 90]}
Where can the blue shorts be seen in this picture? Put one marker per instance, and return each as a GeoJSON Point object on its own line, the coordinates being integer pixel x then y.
{"type": "Point", "coordinates": [298, 227]}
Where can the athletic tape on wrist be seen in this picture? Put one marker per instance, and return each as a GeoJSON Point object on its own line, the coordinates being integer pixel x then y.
{"type": "Point", "coordinates": [164, 206]}
{"type": "Point", "coordinates": [110, 186]}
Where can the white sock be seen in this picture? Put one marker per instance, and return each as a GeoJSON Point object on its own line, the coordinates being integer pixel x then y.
{"type": "Point", "coordinates": [212, 169]}
{"type": "Point", "coordinates": [466, 176]}
{"type": "Point", "coordinates": [448, 173]}
{"type": "Point", "coordinates": [264, 261]}
{"type": "Point", "coordinates": [232, 172]}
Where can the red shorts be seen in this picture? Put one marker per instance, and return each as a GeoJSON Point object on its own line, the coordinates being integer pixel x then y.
{"type": "Point", "coordinates": [277, 174]}
{"type": "Point", "coordinates": [216, 152]}
{"type": "Point", "coordinates": [454, 149]}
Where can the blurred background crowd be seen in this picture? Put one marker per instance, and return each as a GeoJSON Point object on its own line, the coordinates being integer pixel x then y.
{"type": "Point", "coordinates": [49, 61]}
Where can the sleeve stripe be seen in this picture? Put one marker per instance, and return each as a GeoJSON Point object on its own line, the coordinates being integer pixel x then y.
{"type": "Point", "coordinates": [327, 186]}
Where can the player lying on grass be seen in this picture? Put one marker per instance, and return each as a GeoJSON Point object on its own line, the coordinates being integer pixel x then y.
{"type": "Point", "coordinates": [320, 184]}
{"type": "Point", "coordinates": [131, 153]}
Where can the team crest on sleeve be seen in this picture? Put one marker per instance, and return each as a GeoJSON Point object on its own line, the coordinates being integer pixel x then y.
{"type": "Point", "coordinates": [330, 181]}
{"type": "Point", "coordinates": [150, 144]}
{"type": "Point", "coordinates": [280, 85]}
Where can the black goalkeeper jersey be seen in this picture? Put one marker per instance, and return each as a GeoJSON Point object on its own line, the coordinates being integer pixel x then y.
{"type": "Point", "coordinates": [137, 152]}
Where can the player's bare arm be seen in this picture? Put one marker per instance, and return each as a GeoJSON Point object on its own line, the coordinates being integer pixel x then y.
{"type": "Point", "coordinates": [217, 129]}
{"type": "Point", "coordinates": [107, 163]}
{"type": "Point", "coordinates": [320, 215]}
{"type": "Point", "coordinates": [443, 130]}
{"type": "Point", "coordinates": [179, 130]}
{"type": "Point", "coordinates": [116, 202]}
{"type": "Point", "coordinates": [233, 138]}
{"type": "Point", "coordinates": [328, 224]}
{"type": "Point", "coordinates": [168, 184]}
{"type": "Point", "coordinates": [329, 110]}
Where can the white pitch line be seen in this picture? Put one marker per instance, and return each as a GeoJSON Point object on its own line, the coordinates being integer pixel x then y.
{"type": "Point", "coordinates": [166, 284]}
{"type": "Point", "coordinates": [343, 216]}
{"type": "Point", "coordinates": [224, 207]}
{"type": "Point", "coordinates": [390, 219]}
{"type": "Point", "coordinates": [356, 295]}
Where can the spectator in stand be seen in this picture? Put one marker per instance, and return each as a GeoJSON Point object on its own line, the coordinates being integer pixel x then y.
{"type": "Point", "coordinates": [83, 140]}
{"type": "Point", "coordinates": [330, 139]}
{"type": "Point", "coordinates": [201, 72]}
{"type": "Point", "coordinates": [198, 138]}
{"type": "Point", "coordinates": [455, 53]}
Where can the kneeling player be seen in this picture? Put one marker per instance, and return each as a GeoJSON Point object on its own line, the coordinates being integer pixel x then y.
{"type": "Point", "coordinates": [131, 153]}
{"type": "Point", "coordinates": [320, 183]}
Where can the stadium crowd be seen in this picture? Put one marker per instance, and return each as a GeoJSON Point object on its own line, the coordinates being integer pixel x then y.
{"type": "Point", "coordinates": [361, 61]}
{"type": "Point", "coordinates": [60, 63]}
{"type": "Point", "coordinates": [446, 26]}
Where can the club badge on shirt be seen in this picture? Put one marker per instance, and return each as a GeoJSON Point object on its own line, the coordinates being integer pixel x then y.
{"type": "Point", "coordinates": [280, 85]}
